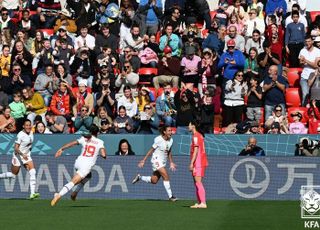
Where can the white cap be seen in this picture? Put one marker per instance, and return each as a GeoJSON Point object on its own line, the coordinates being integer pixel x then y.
{"type": "Point", "coordinates": [83, 82]}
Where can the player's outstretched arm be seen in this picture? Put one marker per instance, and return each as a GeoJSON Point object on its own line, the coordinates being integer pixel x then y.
{"type": "Point", "coordinates": [141, 163]}
{"type": "Point", "coordinates": [66, 146]}
{"type": "Point", "coordinates": [103, 153]}
{"type": "Point", "coordinates": [173, 166]}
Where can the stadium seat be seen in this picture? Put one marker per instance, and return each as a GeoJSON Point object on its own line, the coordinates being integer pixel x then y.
{"type": "Point", "coordinates": [294, 77]}
{"type": "Point", "coordinates": [313, 15]}
{"type": "Point", "coordinates": [293, 98]}
{"type": "Point", "coordinates": [261, 121]}
{"type": "Point", "coordinates": [146, 75]}
{"type": "Point", "coordinates": [216, 130]}
{"type": "Point", "coordinates": [158, 35]}
{"type": "Point", "coordinates": [302, 110]}
{"type": "Point", "coordinates": [174, 130]}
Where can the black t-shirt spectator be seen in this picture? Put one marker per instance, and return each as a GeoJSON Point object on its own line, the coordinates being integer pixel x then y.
{"type": "Point", "coordinates": [253, 100]}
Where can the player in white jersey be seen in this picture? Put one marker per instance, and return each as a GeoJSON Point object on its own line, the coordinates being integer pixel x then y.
{"type": "Point", "coordinates": [91, 147]}
{"type": "Point", "coordinates": [22, 154]}
{"type": "Point", "coordinates": [161, 152]}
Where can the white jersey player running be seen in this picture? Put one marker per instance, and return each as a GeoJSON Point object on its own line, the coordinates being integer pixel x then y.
{"type": "Point", "coordinates": [91, 147]}
{"type": "Point", "coordinates": [22, 154]}
{"type": "Point", "coordinates": [161, 152]}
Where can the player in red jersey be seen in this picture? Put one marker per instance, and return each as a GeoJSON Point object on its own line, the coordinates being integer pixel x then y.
{"type": "Point", "coordinates": [198, 164]}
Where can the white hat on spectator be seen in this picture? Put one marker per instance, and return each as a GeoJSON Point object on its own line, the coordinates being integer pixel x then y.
{"type": "Point", "coordinates": [317, 39]}
{"type": "Point", "coordinates": [83, 82]}
{"type": "Point", "coordinates": [66, 13]}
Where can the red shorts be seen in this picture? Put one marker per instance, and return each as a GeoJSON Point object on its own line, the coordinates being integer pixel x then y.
{"type": "Point", "coordinates": [198, 171]}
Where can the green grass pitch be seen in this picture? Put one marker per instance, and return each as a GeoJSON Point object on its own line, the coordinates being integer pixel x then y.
{"type": "Point", "coordinates": [149, 215]}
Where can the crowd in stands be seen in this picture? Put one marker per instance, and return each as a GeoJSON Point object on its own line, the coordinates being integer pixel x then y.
{"type": "Point", "coordinates": [236, 66]}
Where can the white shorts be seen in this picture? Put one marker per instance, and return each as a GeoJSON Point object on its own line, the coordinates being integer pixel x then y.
{"type": "Point", "coordinates": [17, 159]}
{"type": "Point", "coordinates": [82, 168]}
{"type": "Point", "coordinates": [158, 162]}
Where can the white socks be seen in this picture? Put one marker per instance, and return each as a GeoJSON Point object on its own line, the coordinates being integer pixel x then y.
{"type": "Point", "coordinates": [146, 179]}
{"type": "Point", "coordinates": [7, 175]}
{"type": "Point", "coordinates": [66, 188]}
{"type": "Point", "coordinates": [32, 173]}
{"type": "Point", "coordinates": [166, 185]}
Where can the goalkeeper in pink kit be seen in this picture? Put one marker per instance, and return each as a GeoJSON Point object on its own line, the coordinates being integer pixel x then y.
{"type": "Point", "coordinates": [198, 164]}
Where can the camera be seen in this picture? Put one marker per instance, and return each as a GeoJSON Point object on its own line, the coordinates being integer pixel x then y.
{"type": "Point", "coordinates": [307, 143]}
{"type": "Point", "coordinates": [167, 93]}
{"type": "Point", "coordinates": [125, 69]}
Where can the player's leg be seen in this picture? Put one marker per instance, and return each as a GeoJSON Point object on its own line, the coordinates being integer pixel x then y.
{"type": "Point", "coordinates": [66, 188]}
{"type": "Point", "coordinates": [200, 191]}
{"type": "Point", "coordinates": [32, 172]}
{"type": "Point", "coordinates": [166, 183]}
{"type": "Point", "coordinates": [79, 186]}
{"type": "Point", "coordinates": [15, 168]}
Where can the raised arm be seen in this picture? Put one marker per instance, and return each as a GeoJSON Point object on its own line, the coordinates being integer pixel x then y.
{"type": "Point", "coordinates": [66, 146]}
{"type": "Point", "coordinates": [141, 163]}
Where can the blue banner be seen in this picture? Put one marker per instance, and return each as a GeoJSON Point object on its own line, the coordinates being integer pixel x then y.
{"type": "Point", "coordinates": [227, 177]}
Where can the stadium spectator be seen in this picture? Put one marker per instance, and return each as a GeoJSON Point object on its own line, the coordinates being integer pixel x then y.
{"type": "Point", "coordinates": [132, 57]}
{"type": "Point", "coordinates": [6, 21]}
{"type": "Point", "coordinates": [175, 20]}
{"type": "Point", "coordinates": [252, 149]}
{"type": "Point", "coordinates": [18, 110]}
{"type": "Point", "coordinates": [239, 40]}
{"type": "Point", "coordinates": [278, 115]}
{"type": "Point", "coordinates": [134, 40]}
{"type": "Point", "coordinates": [63, 75]}
{"type": "Point", "coordinates": [275, 128]}
{"type": "Point", "coordinates": [278, 7]}
{"type": "Point", "coordinates": [84, 40]}
{"type": "Point", "coordinates": [207, 108]}
{"type": "Point", "coordinates": [167, 70]}
{"type": "Point", "coordinates": [267, 59]}
{"type": "Point", "coordinates": [82, 67]}
{"type": "Point", "coordinates": [61, 35]}
{"type": "Point", "coordinates": [62, 54]}
{"type": "Point", "coordinates": [22, 36]}
{"type": "Point", "coordinates": [65, 19]}
{"type": "Point", "coordinates": [170, 39]}
{"type": "Point", "coordinates": [61, 102]}
{"type": "Point", "coordinates": [85, 13]}
{"type": "Point", "coordinates": [234, 92]}
{"type": "Point", "coordinates": [128, 102]}
{"type": "Point", "coordinates": [148, 121]}
{"type": "Point", "coordinates": [307, 57]}
{"type": "Point", "coordinates": [83, 98]}
{"type": "Point", "coordinates": [5, 61]}
{"type": "Point", "coordinates": [208, 71]}
{"type": "Point", "coordinates": [304, 150]}
{"type": "Point", "coordinates": [7, 122]}
{"type": "Point", "coordinates": [253, 23]}
{"type": "Point", "coordinates": [214, 41]}
{"type": "Point", "coordinates": [302, 18]}
{"type": "Point", "coordinates": [107, 59]}
{"type": "Point", "coordinates": [150, 13]}
{"type": "Point", "coordinates": [256, 41]}
{"type": "Point", "coordinates": [297, 127]}
{"type": "Point", "coordinates": [165, 106]}
{"type": "Point", "coordinates": [251, 64]}
{"type": "Point", "coordinates": [231, 61]}
{"type": "Point", "coordinates": [189, 67]}
{"type": "Point", "coordinates": [276, 45]}
{"type": "Point", "coordinates": [40, 128]}
{"type": "Point", "coordinates": [274, 87]}
{"type": "Point", "coordinates": [23, 57]}
{"type": "Point", "coordinates": [294, 38]}
{"type": "Point", "coordinates": [57, 123]}
{"type": "Point", "coordinates": [105, 127]}
{"type": "Point", "coordinates": [102, 118]}
{"type": "Point", "coordinates": [234, 21]}
{"type": "Point", "coordinates": [145, 97]}
{"type": "Point", "coordinates": [124, 148]}
{"type": "Point", "coordinates": [83, 122]}
{"type": "Point", "coordinates": [46, 84]}
{"type": "Point", "coordinates": [106, 97]}
{"type": "Point", "coordinates": [314, 118]}
{"type": "Point", "coordinates": [26, 24]}
{"type": "Point", "coordinates": [185, 103]}
{"type": "Point", "coordinates": [122, 123]}
{"type": "Point", "coordinates": [254, 101]}
{"type": "Point", "coordinates": [127, 78]}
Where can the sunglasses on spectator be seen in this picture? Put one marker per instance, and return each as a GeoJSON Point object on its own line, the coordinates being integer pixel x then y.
{"type": "Point", "coordinates": [278, 110]}
{"type": "Point", "coordinates": [147, 107]}
{"type": "Point", "coordinates": [4, 14]}
{"type": "Point", "coordinates": [127, 66]}
{"type": "Point", "coordinates": [240, 75]}
{"type": "Point", "coordinates": [61, 30]}
{"type": "Point", "coordinates": [104, 67]}
{"type": "Point", "coordinates": [84, 110]}
{"type": "Point", "coordinates": [127, 51]}
{"type": "Point", "coordinates": [16, 69]}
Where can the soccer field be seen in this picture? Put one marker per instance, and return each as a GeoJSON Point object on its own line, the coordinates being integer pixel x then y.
{"type": "Point", "coordinates": [149, 215]}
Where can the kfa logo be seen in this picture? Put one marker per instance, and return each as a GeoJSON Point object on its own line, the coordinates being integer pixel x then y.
{"type": "Point", "coordinates": [310, 205]}
{"type": "Point", "coordinates": [249, 178]}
